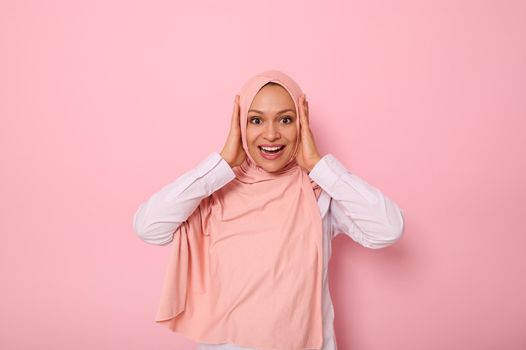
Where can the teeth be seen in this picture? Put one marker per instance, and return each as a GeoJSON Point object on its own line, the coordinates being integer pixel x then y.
{"type": "Point", "coordinates": [271, 148]}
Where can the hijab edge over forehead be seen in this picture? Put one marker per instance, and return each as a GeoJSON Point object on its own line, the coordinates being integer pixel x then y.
{"type": "Point", "coordinates": [247, 94]}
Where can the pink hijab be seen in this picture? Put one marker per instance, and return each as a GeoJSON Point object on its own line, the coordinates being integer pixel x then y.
{"type": "Point", "coordinates": [246, 266]}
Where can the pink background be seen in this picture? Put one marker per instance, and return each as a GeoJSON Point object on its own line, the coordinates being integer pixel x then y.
{"type": "Point", "coordinates": [104, 102]}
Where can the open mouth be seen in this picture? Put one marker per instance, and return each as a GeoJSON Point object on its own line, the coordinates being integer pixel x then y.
{"type": "Point", "coordinates": [271, 150]}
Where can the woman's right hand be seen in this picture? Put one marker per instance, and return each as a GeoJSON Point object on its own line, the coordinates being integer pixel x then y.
{"type": "Point", "coordinates": [233, 151]}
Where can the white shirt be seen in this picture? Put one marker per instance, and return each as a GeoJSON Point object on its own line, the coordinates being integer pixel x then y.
{"type": "Point", "coordinates": [347, 205]}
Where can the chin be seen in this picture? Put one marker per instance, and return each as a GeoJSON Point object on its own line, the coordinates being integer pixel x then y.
{"type": "Point", "coordinates": [271, 167]}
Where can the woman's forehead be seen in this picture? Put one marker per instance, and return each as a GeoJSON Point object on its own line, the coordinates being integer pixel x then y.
{"type": "Point", "coordinates": [277, 113]}
{"type": "Point", "coordinates": [272, 98]}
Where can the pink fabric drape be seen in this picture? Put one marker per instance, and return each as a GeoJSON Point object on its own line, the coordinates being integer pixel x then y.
{"type": "Point", "coordinates": [246, 266]}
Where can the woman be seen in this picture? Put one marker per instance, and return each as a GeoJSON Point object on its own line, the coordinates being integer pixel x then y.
{"type": "Point", "coordinates": [252, 227]}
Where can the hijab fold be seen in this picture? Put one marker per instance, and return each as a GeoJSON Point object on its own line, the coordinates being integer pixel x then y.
{"type": "Point", "coordinates": [246, 266]}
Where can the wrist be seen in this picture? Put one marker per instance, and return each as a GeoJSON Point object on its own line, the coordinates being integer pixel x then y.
{"type": "Point", "coordinates": [225, 159]}
{"type": "Point", "coordinates": [313, 163]}
{"type": "Point", "coordinates": [223, 156]}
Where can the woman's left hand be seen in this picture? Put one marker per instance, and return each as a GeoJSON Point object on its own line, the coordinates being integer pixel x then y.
{"type": "Point", "coordinates": [308, 154]}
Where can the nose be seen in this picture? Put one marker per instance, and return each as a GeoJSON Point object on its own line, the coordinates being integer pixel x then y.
{"type": "Point", "coordinates": [272, 132]}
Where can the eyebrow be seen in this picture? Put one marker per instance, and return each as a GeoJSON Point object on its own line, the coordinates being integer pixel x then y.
{"type": "Point", "coordinates": [285, 110]}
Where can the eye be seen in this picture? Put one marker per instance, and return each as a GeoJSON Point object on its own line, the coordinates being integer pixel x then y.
{"type": "Point", "coordinates": [255, 118]}
{"type": "Point", "coordinates": [287, 117]}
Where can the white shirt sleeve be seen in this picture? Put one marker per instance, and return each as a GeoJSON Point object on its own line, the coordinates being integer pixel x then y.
{"type": "Point", "coordinates": [158, 218]}
{"type": "Point", "coordinates": [357, 208]}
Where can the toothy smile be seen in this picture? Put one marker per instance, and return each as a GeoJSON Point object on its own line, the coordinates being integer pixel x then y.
{"type": "Point", "coordinates": [271, 149]}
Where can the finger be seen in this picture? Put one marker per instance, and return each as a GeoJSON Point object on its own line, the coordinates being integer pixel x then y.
{"type": "Point", "coordinates": [235, 112]}
{"type": "Point", "coordinates": [304, 118]}
{"type": "Point", "coordinates": [302, 108]}
{"type": "Point", "coordinates": [306, 108]}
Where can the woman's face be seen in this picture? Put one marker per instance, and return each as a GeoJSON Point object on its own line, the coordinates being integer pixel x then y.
{"type": "Point", "coordinates": [271, 122]}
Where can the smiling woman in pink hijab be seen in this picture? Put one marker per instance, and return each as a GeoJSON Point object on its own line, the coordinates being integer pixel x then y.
{"type": "Point", "coordinates": [251, 229]}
